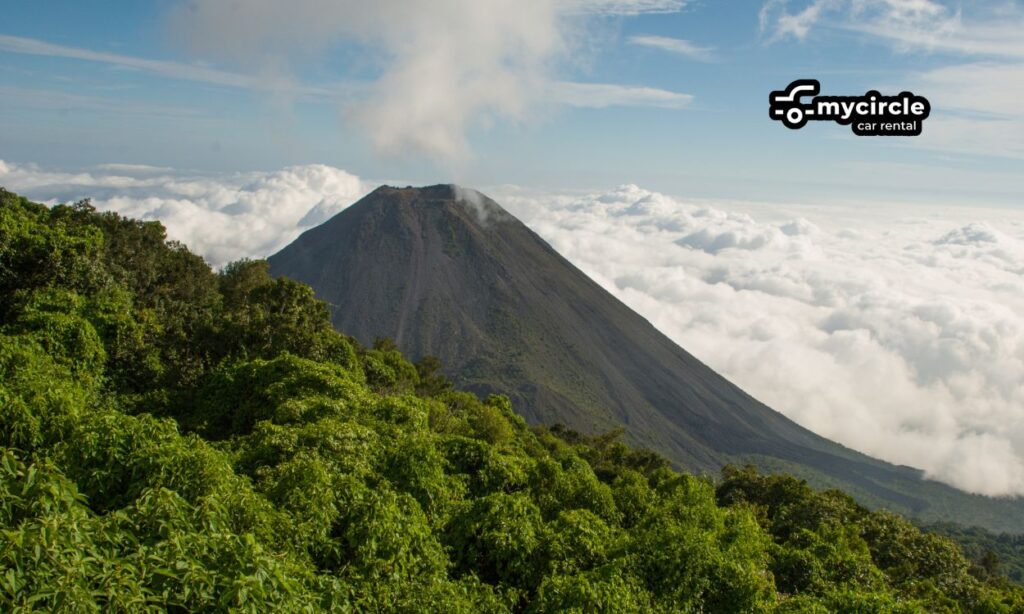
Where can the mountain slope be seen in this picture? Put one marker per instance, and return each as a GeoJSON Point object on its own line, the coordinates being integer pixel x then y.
{"type": "Point", "coordinates": [447, 272]}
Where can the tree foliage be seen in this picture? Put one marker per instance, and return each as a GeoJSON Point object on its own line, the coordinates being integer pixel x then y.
{"type": "Point", "coordinates": [178, 439]}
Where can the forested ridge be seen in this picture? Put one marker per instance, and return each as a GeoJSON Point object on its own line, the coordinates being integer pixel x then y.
{"type": "Point", "coordinates": [175, 438]}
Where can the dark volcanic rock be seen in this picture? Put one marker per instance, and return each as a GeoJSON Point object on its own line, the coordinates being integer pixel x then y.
{"type": "Point", "coordinates": [446, 271]}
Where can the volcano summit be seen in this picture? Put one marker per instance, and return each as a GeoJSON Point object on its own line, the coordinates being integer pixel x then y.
{"type": "Point", "coordinates": [446, 271]}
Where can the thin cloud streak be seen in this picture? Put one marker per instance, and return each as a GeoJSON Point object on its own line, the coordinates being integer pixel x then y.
{"type": "Point", "coordinates": [677, 46]}
{"type": "Point", "coordinates": [162, 68]}
{"type": "Point", "coordinates": [626, 7]}
{"type": "Point", "coordinates": [601, 95]}
{"type": "Point", "coordinates": [173, 70]}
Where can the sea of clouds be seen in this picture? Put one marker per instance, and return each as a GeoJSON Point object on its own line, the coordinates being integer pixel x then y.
{"type": "Point", "coordinates": [897, 330]}
{"type": "Point", "coordinates": [223, 217]}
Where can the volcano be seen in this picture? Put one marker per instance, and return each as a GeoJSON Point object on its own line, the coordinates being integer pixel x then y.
{"type": "Point", "coordinates": [446, 271]}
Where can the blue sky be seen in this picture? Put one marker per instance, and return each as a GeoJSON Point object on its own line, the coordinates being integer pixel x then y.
{"type": "Point", "coordinates": [767, 252]}
{"type": "Point", "coordinates": [157, 83]}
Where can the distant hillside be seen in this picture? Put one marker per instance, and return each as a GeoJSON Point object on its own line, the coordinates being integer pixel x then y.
{"type": "Point", "coordinates": [172, 439]}
{"type": "Point", "coordinates": [448, 272]}
{"type": "Point", "coordinates": [1001, 554]}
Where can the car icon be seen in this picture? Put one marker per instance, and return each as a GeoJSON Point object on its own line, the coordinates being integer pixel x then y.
{"type": "Point", "coordinates": [785, 105]}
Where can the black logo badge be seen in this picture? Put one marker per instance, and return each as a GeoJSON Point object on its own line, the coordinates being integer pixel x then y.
{"type": "Point", "coordinates": [869, 115]}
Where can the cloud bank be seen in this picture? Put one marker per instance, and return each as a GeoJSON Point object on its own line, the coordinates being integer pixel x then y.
{"type": "Point", "coordinates": [898, 331]}
{"type": "Point", "coordinates": [223, 217]}
{"type": "Point", "coordinates": [895, 331]}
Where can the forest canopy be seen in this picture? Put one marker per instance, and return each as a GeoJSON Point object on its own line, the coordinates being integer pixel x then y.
{"type": "Point", "coordinates": [179, 438]}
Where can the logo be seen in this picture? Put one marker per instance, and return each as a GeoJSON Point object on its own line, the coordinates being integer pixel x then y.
{"type": "Point", "coordinates": [869, 115]}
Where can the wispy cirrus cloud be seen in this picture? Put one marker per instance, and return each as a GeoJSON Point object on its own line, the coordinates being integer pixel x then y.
{"type": "Point", "coordinates": [163, 68]}
{"type": "Point", "coordinates": [779, 23]}
{"type": "Point", "coordinates": [600, 95]}
{"type": "Point", "coordinates": [922, 26]}
{"type": "Point", "coordinates": [677, 46]}
{"type": "Point", "coordinates": [896, 19]}
{"type": "Point", "coordinates": [626, 7]}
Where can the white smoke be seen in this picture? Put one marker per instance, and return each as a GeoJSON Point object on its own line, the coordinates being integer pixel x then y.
{"type": "Point", "coordinates": [439, 68]}
{"type": "Point", "coordinates": [484, 212]}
